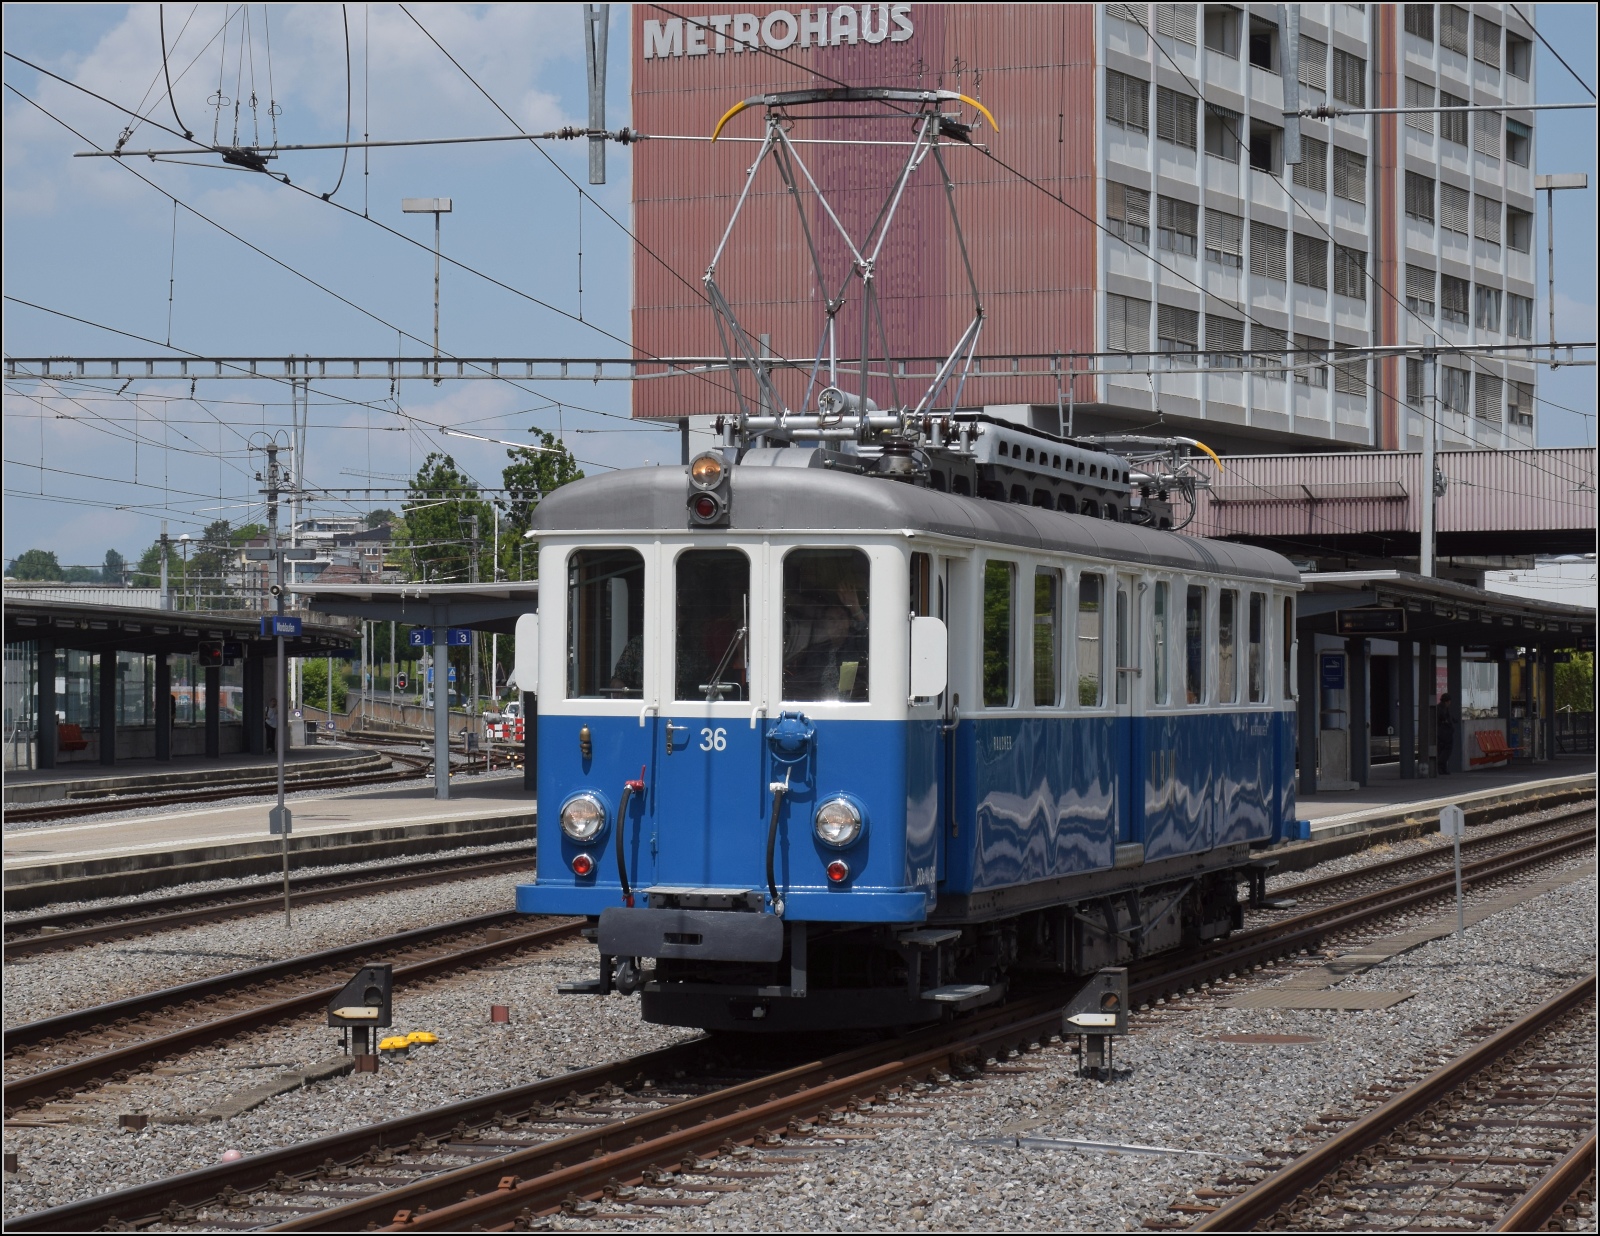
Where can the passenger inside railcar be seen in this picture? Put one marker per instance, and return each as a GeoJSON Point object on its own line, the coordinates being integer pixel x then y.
{"type": "Point", "coordinates": [825, 625]}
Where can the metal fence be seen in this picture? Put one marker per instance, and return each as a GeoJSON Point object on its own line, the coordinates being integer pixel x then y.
{"type": "Point", "coordinates": [1574, 733]}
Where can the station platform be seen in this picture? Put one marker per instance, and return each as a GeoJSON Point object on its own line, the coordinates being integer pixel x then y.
{"type": "Point", "coordinates": [136, 854]}
{"type": "Point", "coordinates": [78, 780]}
{"type": "Point", "coordinates": [1386, 799]}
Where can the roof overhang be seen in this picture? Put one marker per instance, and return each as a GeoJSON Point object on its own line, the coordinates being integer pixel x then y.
{"type": "Point", "coordinates": [480, 607]}
{"type": "Point", "coordinates": [1450, 612]}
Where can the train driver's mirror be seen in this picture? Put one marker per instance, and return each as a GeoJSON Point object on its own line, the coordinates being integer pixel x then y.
{"type": "Point", "coordinates": [929, 656]}
{"type": "Point", "coordinates": [527, 667]}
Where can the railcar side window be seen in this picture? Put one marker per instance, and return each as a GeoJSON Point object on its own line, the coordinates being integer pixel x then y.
{"type": "Point", "coordinates": [1288, 648]}
{"type": "Point", "coordinates": [921, 585]}
{"type": "Point", "coordinates": [1046, 637]}
{"type": "Point", "coordinates": [1091, 633]}
{"type": "Point", "coordinates": [1120, 652]}
{"type": "Point", "coordinates": [1257, 664]}
{"type": "Point", "coordinates": [999, 588]}
{"type": "Point", "coordinates": [1194, 644]}
{"type": "Point", "coordinates": [1227, 635]}
{"type": "Point", "coordinates": [826, 630]}
{"type": "Point", "coordinates": [713, 642]}
{"type": "Point", "coordinates": [1158, 678]}
{"type": "Point", "coordinates": [605, 624]}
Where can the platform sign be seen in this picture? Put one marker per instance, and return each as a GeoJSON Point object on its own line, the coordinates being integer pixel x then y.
{"type": "Point", "coordinates": [280, 820]}
{"type": "Point", "coordinates": [280, 626]}
{"type": "Point", "coordinates": [455, 637]}
{"type": "Point", "coordinates": [1371, 621]}
{"type": "Point", "coordinates": [430, 675]}
{"type": "Point", "coordinates": [1332, 671]}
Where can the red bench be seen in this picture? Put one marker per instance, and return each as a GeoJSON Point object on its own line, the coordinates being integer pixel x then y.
{"type": "Point", "coordinates": [70, 738]}
{"type": "Point", "coordinates": [1493, 745]}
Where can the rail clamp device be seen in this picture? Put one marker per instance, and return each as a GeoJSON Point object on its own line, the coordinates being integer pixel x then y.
{"type": "Point", "coordinates": [366, 1000]}
{"type": "Point", "coordinates": [1096, 1015]}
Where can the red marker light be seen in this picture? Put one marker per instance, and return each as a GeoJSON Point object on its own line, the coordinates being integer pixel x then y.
{"type": "Point", "coordinates": [705, 506]}
{"type": "Point", "coordinates": [583, 865]}
{"type": "Point", "coordinates": [838, 871]}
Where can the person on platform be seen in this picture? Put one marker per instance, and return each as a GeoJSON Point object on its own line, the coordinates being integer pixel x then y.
{"type": "Point", "coordinates": [272, 725]}
{"type": "Point", "coordinates": [1447, 733]}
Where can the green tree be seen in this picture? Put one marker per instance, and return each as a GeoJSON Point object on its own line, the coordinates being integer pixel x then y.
{"type": "Point", "coordinates": [532, 475]}
{"type": "Point", "coordinates": [1575, 683]}
{"type": "Point", "coordinates": [148, 573]}
{"type": "Point", "coordinates": [245, 533]}
{"type": "Point", "coordinates": [35, 564]}
{"type": "Point", "coordinates": [439, 508]}
{"type": "Point", "coordinates": [81, 574]}
{"type": "Point", "coordinates": [208, 565]}
{"type": "Point", "coordinates": [376, 519]}
{"type": "Point", "coordinates": [111, 570]}
{"type": "Point", "coordinates": [315, 679]}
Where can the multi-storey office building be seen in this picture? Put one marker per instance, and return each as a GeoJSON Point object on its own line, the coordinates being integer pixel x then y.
{"type": "Point", "coordinates": [1137, 201]}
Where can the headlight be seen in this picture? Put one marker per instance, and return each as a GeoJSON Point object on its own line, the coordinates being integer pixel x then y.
{"type": "Point", "coordinates": [583, 817]}
{"type": "Point", "coordinates": [838, 822]}
{"type": "Point", "coordinates": [706, 471]}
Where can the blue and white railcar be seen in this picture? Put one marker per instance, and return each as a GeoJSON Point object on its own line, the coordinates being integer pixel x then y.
{"type": "Point", "coordinates": [818, 749]}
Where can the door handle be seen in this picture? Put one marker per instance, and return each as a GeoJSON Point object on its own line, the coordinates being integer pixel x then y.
{"type": "Point", "coordinates": [674, 729]}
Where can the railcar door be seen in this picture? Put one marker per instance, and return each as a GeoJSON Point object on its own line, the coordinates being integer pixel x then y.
{"type": "Point", "coordinates": [1125, 646]}
{"type": "Point", "coordinates": [931, 733]}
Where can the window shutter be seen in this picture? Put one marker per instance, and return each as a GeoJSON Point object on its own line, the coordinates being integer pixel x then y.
{"type": "Point", "coordinates": [1176, 21]}
{"type": "Point", "coordinates": [1420, 283]}
{"type": "Point", "coordinates": [1350, 272]}
{"type": "Point", "coordinates": [1486, 133]}
{"type": "Point", "coordinates": [1136, 202]}
{"type": "Point", "coordinates": [1311, 262]}
{"type": "Point", "coordinates": [1486, 42]}
{"type": "Point", "coordinates": [1419, 94]}
{"type": "Point", "coordinates": [1419, 21]}
{"type": "Point", "coordinates": [1454, 204]}
{"type": "Point", "coordinates": [1313, 63]}
{"type": "Point", "coordinates": [1179, 326]}
{"type": "Point", "coordinates": [1349, 175]}
{"type": "Point", "coordinates": [1453, 28]}
{"type": "Point", "coordinates": [1224, 232]}
{"type": "Point", "coordinates": [1116, 323]}
{"type": "Point", "coordinates": [1309, 369]}
{"type": "Point", "coordinates": [1349, 78]}
{"type": "Point", "coordinates": [1419, 196]}
{"type": "Point", "coordinates": [1312, 170]}
{"type": "Point", "coordinates": [1224, 334]}
{"type": "Point", "coordinates": [1269, 344]}
{"type": "Point", "coordinates": [1175, 115]}
{"type": "Point", "coordinates": [1487, 398]}
{"type": "Point", "coordinates": [1267, 250]}
{"type": "Point", "coordinates": [1349, 377]}
{"type": "Point", "coordinates": [1115, 111]}
{"type": "Point", "coordinates": [1486, 219]}
{"type": "Point", "coordinates": [1455, 298]}
{"type": "Point", "coordinates": [1137, 13]}
{"type": "Point", "coordinates": [1137, 100]}
{"type": "Point", "coordinates": [1519, 403]}
{"type": "Point", "coordinates": [1138, 324]}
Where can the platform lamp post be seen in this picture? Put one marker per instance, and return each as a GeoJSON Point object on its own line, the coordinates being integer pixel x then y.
{"type": "Point", "coordinates": [437, 207]}
{"type": "Point", "coordinates": [1549, 184]}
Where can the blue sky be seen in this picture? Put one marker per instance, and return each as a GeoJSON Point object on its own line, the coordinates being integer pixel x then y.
{"type": "Point", "coordinates": [89, 238]}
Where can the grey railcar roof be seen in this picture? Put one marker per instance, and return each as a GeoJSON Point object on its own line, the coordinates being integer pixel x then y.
{"type": "Point", "coordinates": [814, 499]}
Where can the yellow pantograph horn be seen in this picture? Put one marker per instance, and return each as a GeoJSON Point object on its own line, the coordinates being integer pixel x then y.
{"type": "Point", "coordinates": [1213, 454]}
{"type": "Point", "coordinates": [729, 115]}
{"type": "Point", "coordinates": [987, 114]}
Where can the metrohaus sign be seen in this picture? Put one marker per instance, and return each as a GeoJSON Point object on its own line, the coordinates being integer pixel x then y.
{"type": "Point", "coordinates": [721, 33]}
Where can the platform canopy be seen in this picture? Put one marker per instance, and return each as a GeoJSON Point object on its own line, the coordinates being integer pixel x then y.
{"type": "Point", "coordinates": [93, 626]}
{"type": "Point", "coordinates": [479, 607]}
{"type": "Point", "coordinates": [1448, 611]}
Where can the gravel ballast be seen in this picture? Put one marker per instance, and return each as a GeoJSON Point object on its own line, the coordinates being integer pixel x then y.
{"type": "Point", "coordinates": [960, 1165]}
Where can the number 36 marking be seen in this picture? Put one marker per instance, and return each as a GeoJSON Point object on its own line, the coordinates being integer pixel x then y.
{"type": "Point", "coordinates": [713, 739]}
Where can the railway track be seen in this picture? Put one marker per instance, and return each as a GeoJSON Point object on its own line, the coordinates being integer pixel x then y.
{"type": "Point", "coordinates": [57, 1057]}
{"type": "Point", "coordinates": [1499, 1138]}
{"type": "Point", "coordinates": [637, 1133]}
{"type": "Point", "coordinates": [46, 933]}
{"type": "Point", "coordinates": [1313, 891]}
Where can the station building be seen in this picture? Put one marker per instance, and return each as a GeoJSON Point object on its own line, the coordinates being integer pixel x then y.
{"type": "Point", "coordinates": [1135, 198]}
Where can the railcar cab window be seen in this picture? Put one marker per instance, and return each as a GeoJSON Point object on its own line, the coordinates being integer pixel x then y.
{"type": "Point", "coordinates": [1091, 638]}
{"type": "Point", "coordinates": [1046, 637]}
{"type": "Point", "coordinates": [1194, 644]}
{"type": "Point", "coordinates": [826, 637]}
{"type": "Point", "coordinates": [605, 624]}
{"type": "Point", "coordinates": [1256, 664]}
{"type": "Point", "coordinates": [713, 641]}
{"type": "Point", "coordinates": [1288, 648]}
{"type": "Point", "coordinates": [1227, 637]}
{"type": "Point", "coordinates": [999, 589]}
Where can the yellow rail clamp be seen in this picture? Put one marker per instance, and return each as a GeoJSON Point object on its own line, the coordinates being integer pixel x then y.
{"type": "Point", "coordinates": [394, 1042]}
{"type": "Point", "coordinates": [422, 1036]}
